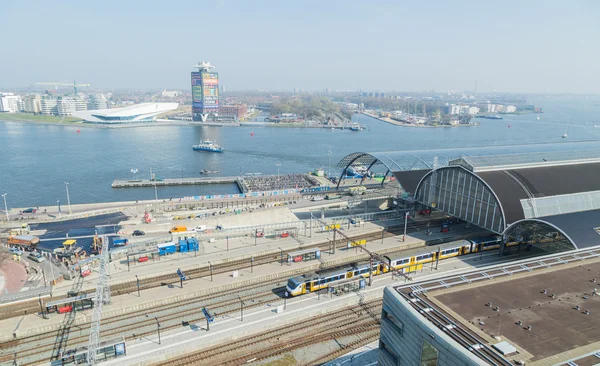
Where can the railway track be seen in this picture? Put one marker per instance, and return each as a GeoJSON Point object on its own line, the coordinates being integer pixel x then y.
{"type": "Point", "coordinates": [32, 306]}
{"type": "Point", "coordinates": [358, 319]}
{"type": "Point", "coordinates": [41, 347]}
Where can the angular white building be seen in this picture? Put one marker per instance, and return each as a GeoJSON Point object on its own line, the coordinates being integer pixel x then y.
{"type": "Point", "coordinates": [138, 113]}
{"type": "Point", "coordinates": [10, 103]}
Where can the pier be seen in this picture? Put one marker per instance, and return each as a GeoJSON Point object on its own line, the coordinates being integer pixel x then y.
{"type": "Point", "coordinates": [136, 183]}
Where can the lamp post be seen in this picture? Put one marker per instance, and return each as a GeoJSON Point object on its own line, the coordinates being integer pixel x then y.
{"type": "Point", "coordinates": [44, 274]}
{"type": "Point", "coordinates": [252, 264]}
{"type": "Point", "coordinates": [5, 207]}
{"type": "Point", "coordinates": [210, 267]}
{"type": "Point", "coordinates": [155, 192]}
{"type": "Point", "coordinates": [137, 281]}
{"type": "Point", "coordinates": [227, 237]}
{"type": "Point", "coordinates": [68, 198]}
{"type": "Point", "coordinates": [158, 328]}
{"type": "Point", "coordinates": [281, 255]}
{"type": "Point", "coordinates": [405, 225]}
{"type": "Point", "coordinates": [241, 307]}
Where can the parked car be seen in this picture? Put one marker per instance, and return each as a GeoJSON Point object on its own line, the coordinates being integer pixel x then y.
{"type": "Point", "coordinates": [15, 251]}
{"type": "Point", "coordinates": [138, 233]}
{"type": "Point", "coordinates": [445, 228]}
{"type": "Point", "coordinates": [29, 210]}
{"type": "Point", "coordinates": [36, 257]}
{"type": "Point", "coordinates": [425, 212]}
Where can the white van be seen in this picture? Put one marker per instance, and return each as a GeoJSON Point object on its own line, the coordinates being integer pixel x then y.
{"type": "Point", "coordinates": [200, 228]}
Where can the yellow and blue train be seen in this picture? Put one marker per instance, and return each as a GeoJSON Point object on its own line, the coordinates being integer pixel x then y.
{"type": "Point", "coordinates": [410, 261]}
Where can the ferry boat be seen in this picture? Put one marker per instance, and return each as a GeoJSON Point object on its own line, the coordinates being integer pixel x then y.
{"type": "Point", "coordinates": [205, 171]}
{"type": "Point", "coordinates": [208, 145]}
{"type": "Point", "coordinates": [356, 127]}
{"type": "Point", "coordinates": [495, 116]}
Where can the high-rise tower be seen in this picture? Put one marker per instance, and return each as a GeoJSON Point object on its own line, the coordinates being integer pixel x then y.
{"type": "Point", "coordinates": [205, 91]}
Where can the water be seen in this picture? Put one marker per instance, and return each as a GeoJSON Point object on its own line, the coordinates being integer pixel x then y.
{"type": "Point", "coordinates": [36, 160]}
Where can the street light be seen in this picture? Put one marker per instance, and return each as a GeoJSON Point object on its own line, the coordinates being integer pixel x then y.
{"type": "Point", "coordinates": [241, 307]}
{"type": "Point", "coordinates": [5, 207]}
{"type": "Point", "coordinates": [210, 267]}
{"type": "Point", "coordinates": [137, 280]}
{"type": "Point", "coordinates": [405, 225]}
{"type": "Point", "coordinates": [68, 198]}
{"type": "Point", "coordinates": [281, 255]}
{"type": "Point", "coordinates": [158, 328]}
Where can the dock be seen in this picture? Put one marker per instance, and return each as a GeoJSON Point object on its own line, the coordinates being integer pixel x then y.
{"type": "Point", "coordinates": [136, 183]}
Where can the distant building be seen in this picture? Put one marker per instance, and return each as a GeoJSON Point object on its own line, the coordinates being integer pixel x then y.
{"type": "Point", "coordinates": [237, 111]}
{"type": "Point", "coordinates": [138, 113]}
{"type": "Point", "coordinates": [10, 103]}
{"type": "Point", "coordinates": [49, 104]}
{"type": "Point", "coordinates": [67, 105]}
{"type": "Point", "coordinates": [205, 92]}
{"type": "Point", "coordinates": [510, 109]}
{"type": "Point", "coordinates": [32, 103]}
{"type": "Point", "coordinates": [97, 101]}
{"type": "Point", "coordinates": [170, 93]}
{"type": "Point", "coordinates": [472, 110]}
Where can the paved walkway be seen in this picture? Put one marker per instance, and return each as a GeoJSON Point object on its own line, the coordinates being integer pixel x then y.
{"type": "Point", "coordinates": [12, 277]}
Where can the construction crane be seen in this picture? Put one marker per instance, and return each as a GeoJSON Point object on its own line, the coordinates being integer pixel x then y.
{"type": "Point", "coordinates": [62, 83]}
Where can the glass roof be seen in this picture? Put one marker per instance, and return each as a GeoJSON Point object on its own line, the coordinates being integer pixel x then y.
{"type": "Point", "coordinates": [423, 159]}
{"type": "Point", "coordinates": [529, 160]}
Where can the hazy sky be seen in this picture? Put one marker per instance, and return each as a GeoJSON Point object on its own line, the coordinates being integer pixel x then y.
{"type": "Point", "coordinates": [520, 46]}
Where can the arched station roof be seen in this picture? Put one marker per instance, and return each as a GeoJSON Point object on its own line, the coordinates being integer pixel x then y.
{"type": "Point", "coordinates": [422, 161]}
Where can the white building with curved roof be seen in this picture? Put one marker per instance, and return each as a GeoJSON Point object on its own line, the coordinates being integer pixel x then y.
{"type": "Point", "coordinates": [138, 113]}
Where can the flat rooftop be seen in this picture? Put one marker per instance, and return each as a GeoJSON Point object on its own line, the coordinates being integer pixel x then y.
{"type": "Point", "coordinates": [560, 331]}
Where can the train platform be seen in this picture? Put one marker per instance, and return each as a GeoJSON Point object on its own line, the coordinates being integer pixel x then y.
{"type": "Point", "coordinates": [217, 252]}
{"type": "Point", "coordinates": [195, 337]}
{"type": "Point", "coordinates": [147, 299]}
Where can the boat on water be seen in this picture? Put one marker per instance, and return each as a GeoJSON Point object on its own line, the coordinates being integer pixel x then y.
{"type": "Point", "coordinates": [357, 171]}
{"type": "Point", "coordinates": [356, 127]}
{"type": "Point", "coordinates": [208, 145]}
{"type": "Point", "coordinates": [206, 171]}
{"type": "Point", "coordinates": [495, 116]}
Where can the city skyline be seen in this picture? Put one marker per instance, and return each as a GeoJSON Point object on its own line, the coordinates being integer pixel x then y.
{"type": "Point", "coordinates": [533, 47]}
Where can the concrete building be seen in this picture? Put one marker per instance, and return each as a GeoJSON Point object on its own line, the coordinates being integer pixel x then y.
{"type": "Point", "coordinates": [205, 92]}
{"type": "Point", "coordinates": [237, 111]}
{"type": "Point", "coordinates": [67, 105]}
{"type": "Point", "coordinates": [406, 339]}
{"type": "Point", "coordinates": [10, 103]}
{"type": "Point", "coordinates": [32, 103]}
{"type": "Point", "coordinates": [138, 113]}
{"type": "Point", "coordinates": [97, 101]}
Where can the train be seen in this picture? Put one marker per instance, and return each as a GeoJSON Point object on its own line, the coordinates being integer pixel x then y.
{"type": "Point", "coordinates": [409, 262]}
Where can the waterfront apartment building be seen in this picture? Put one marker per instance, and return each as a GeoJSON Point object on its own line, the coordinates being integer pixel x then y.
{"type": "Point", "coordinates": [10, 103]}
{"type": "Point", "coordinates": [49, 104]}
{"type": "Point", "coordinates": [32, 103]}
{"type": "Point", "coordinates": [67, 105]}
{"type": "Point", "coordinates": [97, 101]}
{"type": "Point", "coordinates": [205, 92]}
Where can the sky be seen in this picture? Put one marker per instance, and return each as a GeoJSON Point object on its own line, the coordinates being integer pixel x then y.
{"type": "Point", "coordinates": [534, 46]}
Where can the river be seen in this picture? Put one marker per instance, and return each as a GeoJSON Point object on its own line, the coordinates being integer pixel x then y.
{"type": "Point", "coordinates": [36, 160]}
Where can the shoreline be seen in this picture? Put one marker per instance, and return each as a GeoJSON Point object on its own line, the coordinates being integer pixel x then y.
{"type": "Point", "coordinates": [402, 124]}
{"type": "Point", "coordinates": [161, 123]}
